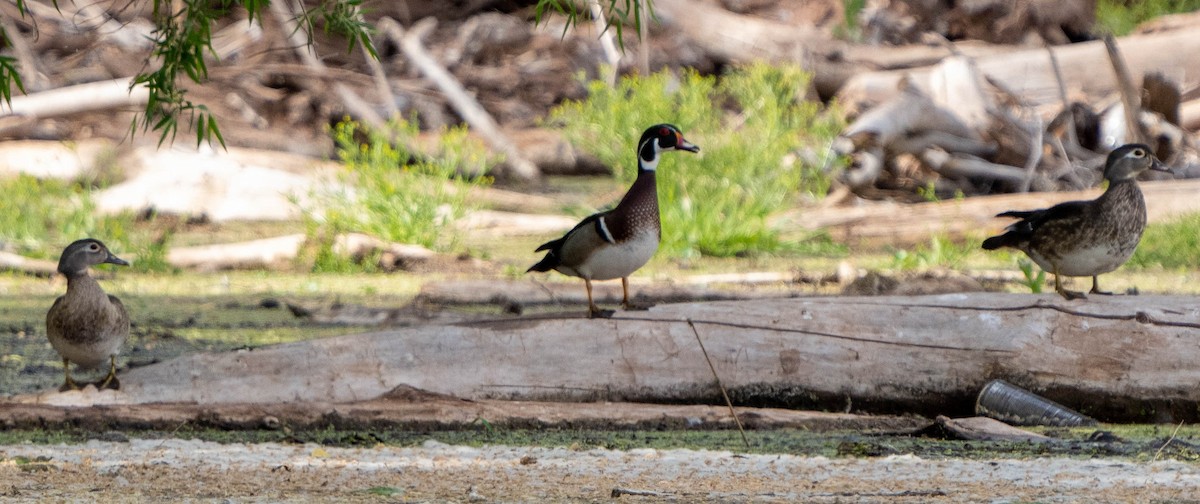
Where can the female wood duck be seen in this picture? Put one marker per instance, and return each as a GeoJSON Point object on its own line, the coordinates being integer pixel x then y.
{"type": "Point", "coordinates": [1086, 238]}
{"type": "Point", "coordinates": [85, 325]}
{"type": "Point", "coordinates": [615, 243]}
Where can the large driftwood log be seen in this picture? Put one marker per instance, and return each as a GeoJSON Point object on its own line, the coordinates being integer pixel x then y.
{"type": "Point", "coordinates": [1112, 358]}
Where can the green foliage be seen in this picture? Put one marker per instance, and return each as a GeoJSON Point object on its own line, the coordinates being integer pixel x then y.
{"type": "Point", "coordinates": [393, 194]}
{"type": "Point", "coordinates": [1120, 17]}
{"type": "Point", "coordinates": [619, 12]}
{"type": "Point", "coordinates": [341, 18]}
{"type": "Point", "coordinates": [849, 28]}
{"type": "Point", "coordinates": [182, 36]}
{"type": "Point", "coordinates": [941, 251]}
{"type": "Point", "coordinates": [181, 40]}
{"type": "Point", "coordinates": [1173, 244]}
{"type": "Point", "coordinates": [1034, 281]}
{"type": "Point", "coordinates": [54, 213]}
{"type": "Point", "coordinates": [718, 202]}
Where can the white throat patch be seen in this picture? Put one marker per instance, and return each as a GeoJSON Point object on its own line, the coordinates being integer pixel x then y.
{"type": "Point", "coordinates": [651, 164]}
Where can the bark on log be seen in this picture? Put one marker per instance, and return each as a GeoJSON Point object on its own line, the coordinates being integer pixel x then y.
{"type": "Point", "coordinates": [1114, 358]}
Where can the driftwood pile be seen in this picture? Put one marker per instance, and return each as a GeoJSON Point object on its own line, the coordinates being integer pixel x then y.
{"type": "Point", "coordinates": [975, 102]}
{"type": "Point", "coordinates": [1030, 120]}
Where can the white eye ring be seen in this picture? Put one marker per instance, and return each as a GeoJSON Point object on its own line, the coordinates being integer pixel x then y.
{"type": "Point", "coordinates": [1139, 153]}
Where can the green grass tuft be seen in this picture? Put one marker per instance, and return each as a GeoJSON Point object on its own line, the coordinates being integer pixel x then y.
{"type": "Point", "coordinates": [53, 213]}
{"type": "Point", "coordinates": [750, 125]}
{"type": "Point", "coordinates": [940, 252]}
{"type": "Point", "coordinates": [393, 194]}
{"type": "Point", "coordinates": [1171, 245]}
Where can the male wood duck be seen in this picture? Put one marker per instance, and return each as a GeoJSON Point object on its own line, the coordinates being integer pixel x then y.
{"type": "Point", "coordinates": [615, 243]}
{"type": "Point", "coordinates": [85, 325]}
{"type": "Point", "coordinates": [1086, 238]}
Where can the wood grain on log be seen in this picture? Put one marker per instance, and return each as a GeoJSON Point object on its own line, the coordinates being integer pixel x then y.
{"type": "Point", "coordinates": [1110, 357]}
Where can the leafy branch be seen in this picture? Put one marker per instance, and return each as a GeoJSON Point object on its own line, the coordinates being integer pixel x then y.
{"type": "Point", "coordinates": [182, 38]}
{"type": "Point", "coordinates": [618, 12]}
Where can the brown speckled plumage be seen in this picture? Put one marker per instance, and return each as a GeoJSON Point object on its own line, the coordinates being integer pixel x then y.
{"type": "Point", "coordinates": [638, 210]}
{"type": "Point", "coordinates": [1086, 238]}
{"type": "Point", "coordinates": [86, 325]}
{"type": "Point", "coordinates": [615, 243]}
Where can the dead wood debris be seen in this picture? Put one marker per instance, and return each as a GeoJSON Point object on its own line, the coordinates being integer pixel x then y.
{"type": "Point", "coordinates": [962, 133]}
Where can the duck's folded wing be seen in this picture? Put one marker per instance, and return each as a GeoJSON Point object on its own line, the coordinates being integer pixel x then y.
{"type": "Point", "coordinates": [1061, 212]}
{"type": "Point", "coordinates": [1021, 231]}
{"type": "Point", "coordinates": [53, 325]}
{"type": "Point", "coordinates": [122, 313]}
{"type": "Point", "coordinates": [571, 241]}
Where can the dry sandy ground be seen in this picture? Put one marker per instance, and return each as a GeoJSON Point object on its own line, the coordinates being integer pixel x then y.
{"type": "Point", "coordinates": [198, 471]}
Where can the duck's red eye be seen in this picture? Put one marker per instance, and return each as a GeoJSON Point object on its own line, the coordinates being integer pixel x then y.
{"type": "Point", "coordinates": [664, 131]}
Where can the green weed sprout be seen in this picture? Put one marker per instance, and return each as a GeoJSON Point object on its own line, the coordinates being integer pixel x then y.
{"type": "Point", "coordinates": [1033, 281]}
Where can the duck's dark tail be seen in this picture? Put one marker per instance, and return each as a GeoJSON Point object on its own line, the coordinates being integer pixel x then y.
{"type": "Point", "coordinates": [1015, 233]}
{"type": "Point", "coordinates": [551, 260]}
{"type": "Point", "coordinates": [995, 242]}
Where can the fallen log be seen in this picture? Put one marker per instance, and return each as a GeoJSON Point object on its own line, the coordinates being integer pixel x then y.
{"type": "Point", "coordinates": [406, 408]}
{"type": "Point", "coordinates": [900, 224]}
{"type": "Point", "coordinates": [1115, 358]}
{"type": "Point", "coordinates": [987, 429]}
{"type": "Point", "coordinates": [93, 96]}
{"type": "Point", "coordinates": [269, 252]}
